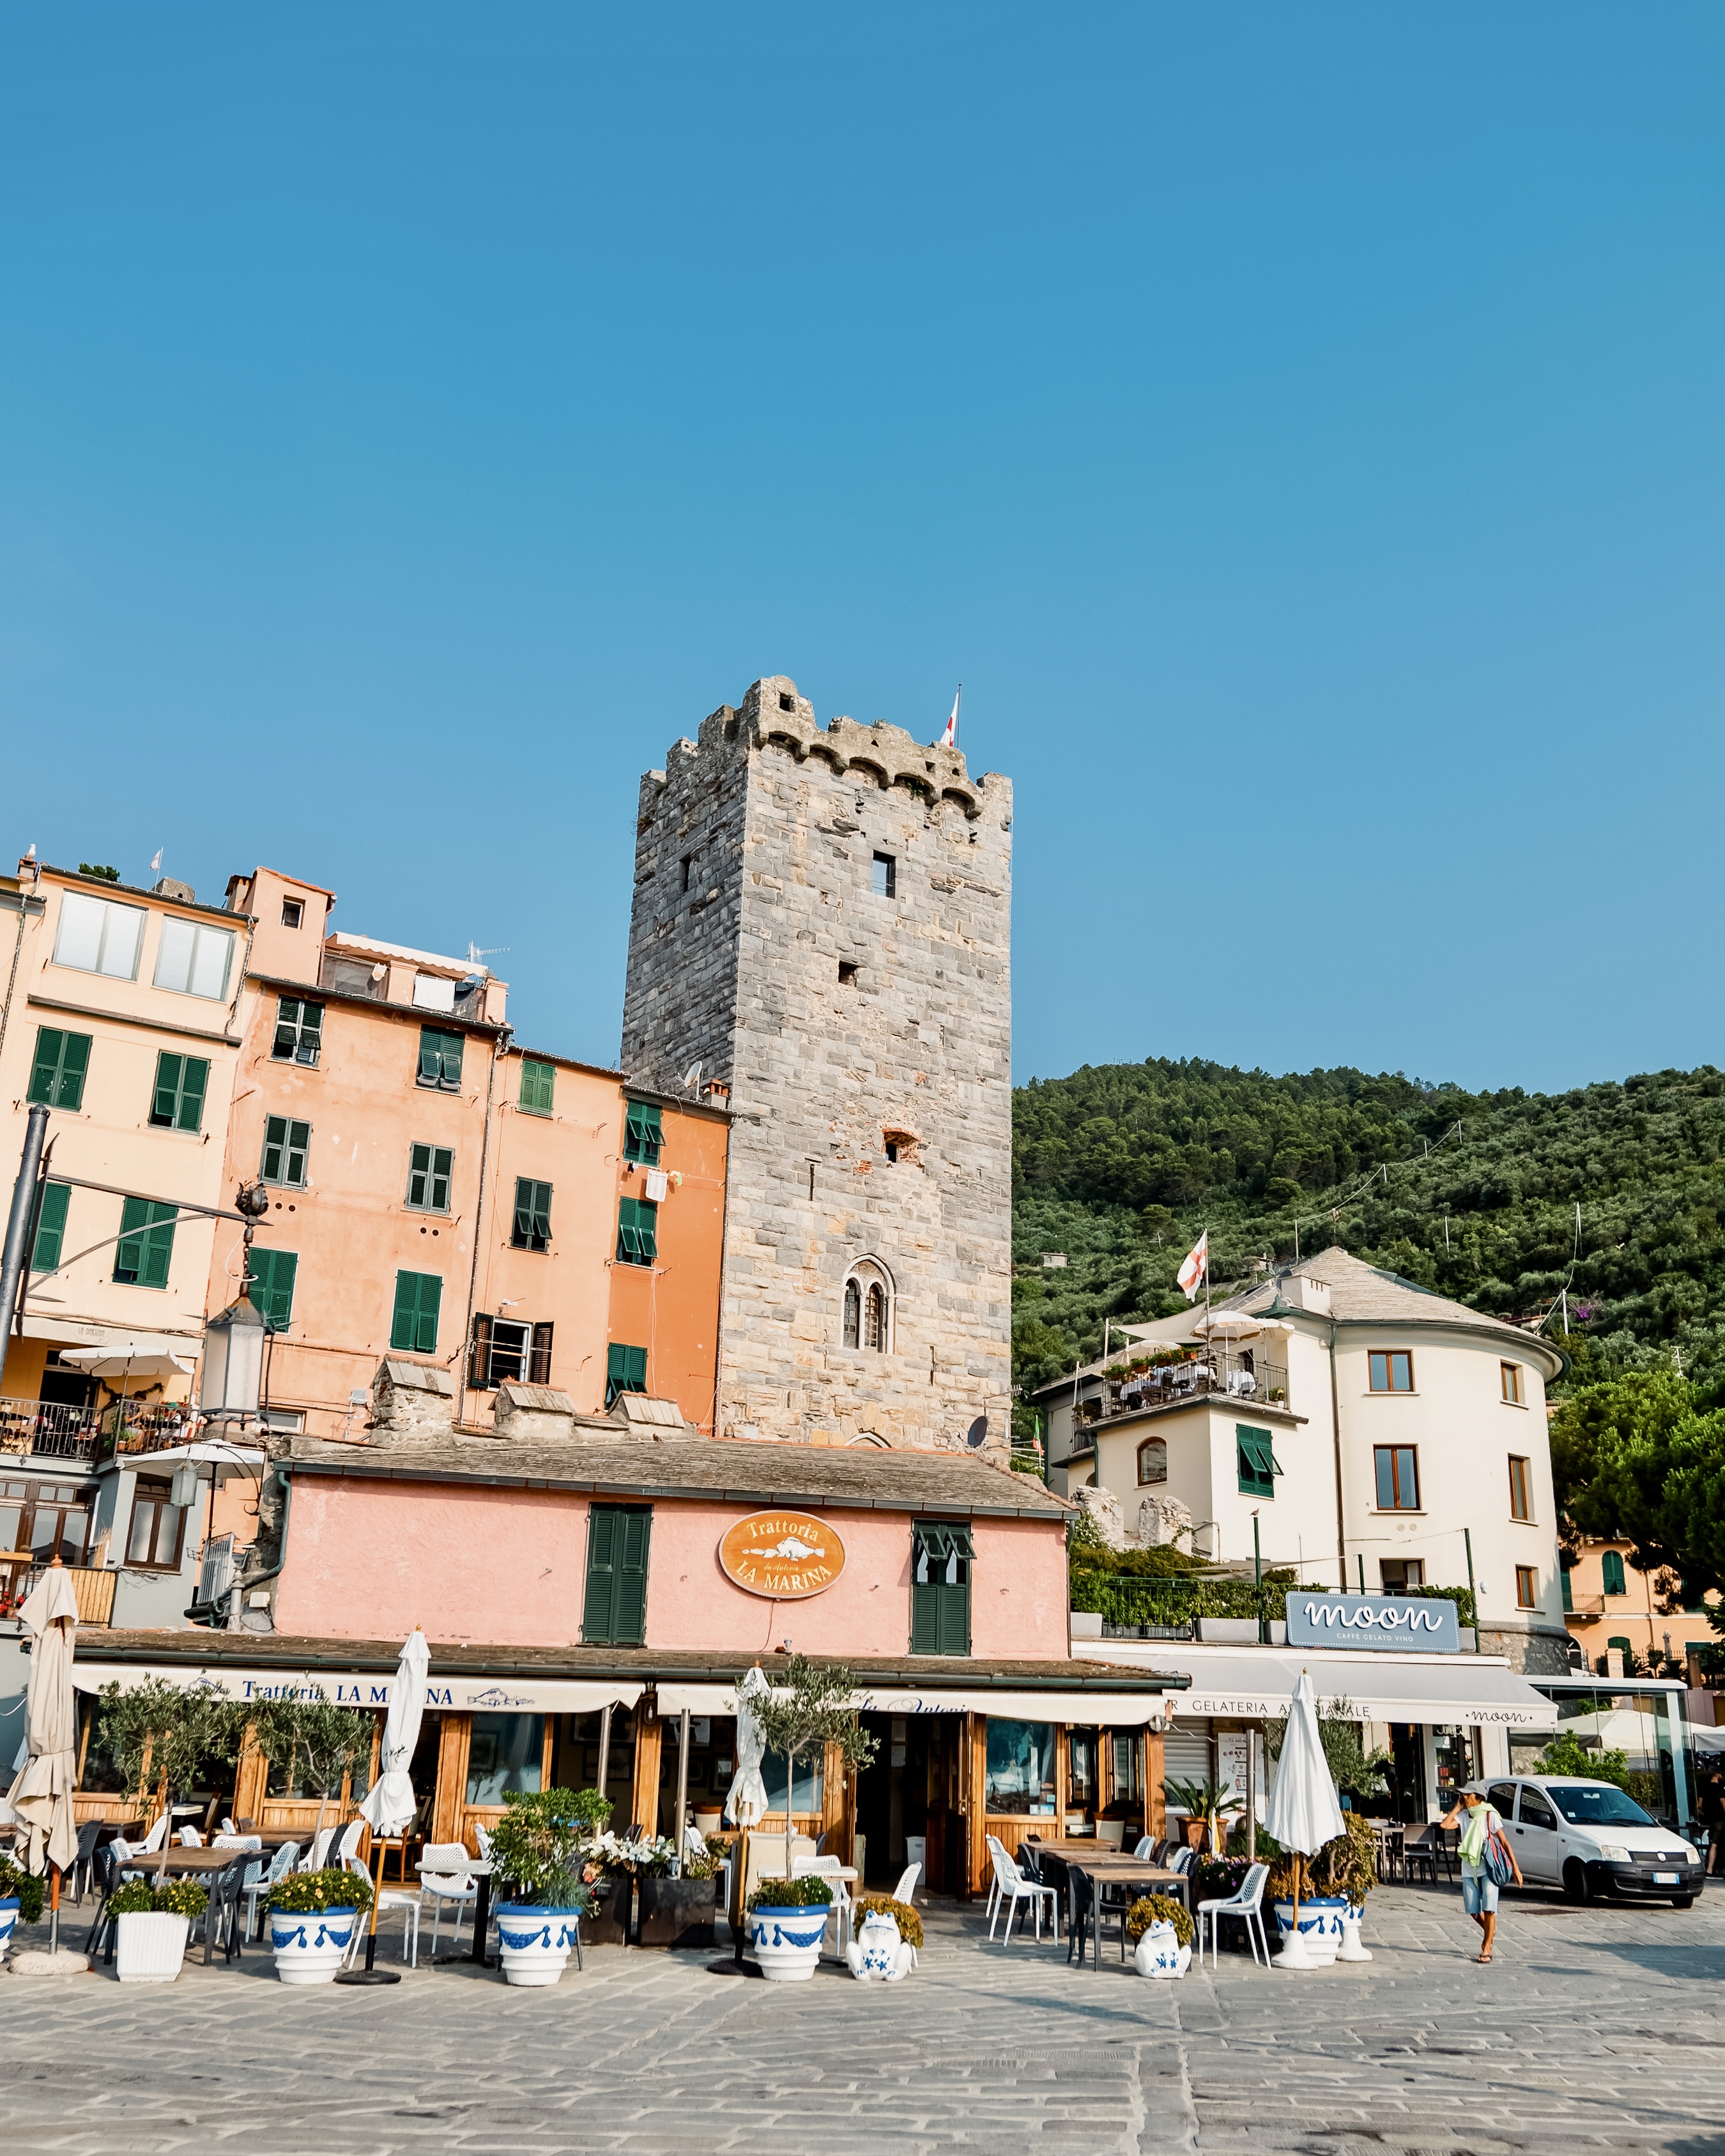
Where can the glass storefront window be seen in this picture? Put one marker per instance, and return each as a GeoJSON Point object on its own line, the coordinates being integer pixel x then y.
{"type": "Point", "coordinates": [504, 1753]}
{"type": "Point", "coordinates": [1452, 1756]}
{"type": "Point", "coordinates": [1021, 1767]}
{"type": "Point", "coordinates": [810, 1781]}
{"type": "Point", "coordinates": [1083, 1792]}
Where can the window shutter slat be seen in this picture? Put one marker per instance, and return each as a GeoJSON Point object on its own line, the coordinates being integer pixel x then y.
{"type": "Point", "coordinates": [194, 1083]}
{"type": "Point", "coordinates": [74, 1062]}
{"type": "Point", "coordinates": [601, 1575]}
{"type": "Point", "coordinates": [166, 1099]}
{"type": "Point", "coordinates": [539, 1364]}
{"type": "Point", "coordinates": [630, 1621]}
{"type": "Point", "coordinates": [45, 1070]}
{"type": "Point", "coordinates": [50, 1227]}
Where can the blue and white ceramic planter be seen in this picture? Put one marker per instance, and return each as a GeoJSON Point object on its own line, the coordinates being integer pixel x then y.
{"type": "Point", "coordinates": [8, 1921]}
{"type": "Point", "coordinates": [1321, 1918]}
{"type": "Point", "coordinates": [1160, 1953]}
{"type": "Point", "coordinates": [534, 1941]}
{"type": "Point", "coordinates": [787, 1942]}
{"type": "Point", "coordinates": [311, 1943]}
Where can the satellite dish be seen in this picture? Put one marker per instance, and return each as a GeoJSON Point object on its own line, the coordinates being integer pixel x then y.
{"type": "Point", "coordinates": [977, 1434]}
{"type": "Point", "coordinates": [690, 1076]}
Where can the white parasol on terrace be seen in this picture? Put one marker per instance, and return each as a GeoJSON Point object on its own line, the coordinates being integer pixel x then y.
{"type": "Point", "coordinates": [1227, 1325]}
{"type": "Point", "coordinates": [1303, 1813]}
{"type": "Point", "coordinates": [746, 1801]}
{"type": "Point", "coordinates": [389, 1805]}
{"type": "Point", "coordinates": [122, 1361]}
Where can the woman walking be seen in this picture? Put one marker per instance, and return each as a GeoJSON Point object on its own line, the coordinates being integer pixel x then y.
{"type": "Point", "coordinates": [1481, 1823]}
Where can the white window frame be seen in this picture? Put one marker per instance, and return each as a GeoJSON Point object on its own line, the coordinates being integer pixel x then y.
{"type": "Point", "coordinates": [175, 927]}
{"type": "Point", "coordinates": [72, 905]}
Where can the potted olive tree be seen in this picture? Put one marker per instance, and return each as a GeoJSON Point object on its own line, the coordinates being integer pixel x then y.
{"type": "Point", "coordinates": [809, 1706]}
{"type": "Point", "coordinates": [539, 1852]}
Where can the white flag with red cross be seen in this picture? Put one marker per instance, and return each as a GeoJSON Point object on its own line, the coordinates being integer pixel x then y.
{"type": "Point", "coordinates": [1192, 1274]}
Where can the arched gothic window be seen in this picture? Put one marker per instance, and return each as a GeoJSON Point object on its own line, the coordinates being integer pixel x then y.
{"type": "Point", "coordinates": [867, 1322]}
{"type": "Point", "coordinates": [1153, 1460]}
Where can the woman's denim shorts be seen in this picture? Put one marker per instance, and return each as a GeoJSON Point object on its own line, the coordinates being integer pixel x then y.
{"type": "Point", "coordinates": [1479, 1894]}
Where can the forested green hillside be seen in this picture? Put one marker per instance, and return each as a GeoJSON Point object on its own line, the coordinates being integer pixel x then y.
{"type": "Point", "coordinates": [1122, 1167]}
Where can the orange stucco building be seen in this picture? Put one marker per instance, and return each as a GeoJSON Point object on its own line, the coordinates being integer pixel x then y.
{"type": "Point", "coordinates": [437, 1191]}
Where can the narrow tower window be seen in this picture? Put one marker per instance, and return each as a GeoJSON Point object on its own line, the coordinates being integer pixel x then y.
{"type": "Point", "coordinates": [853, 1314]}
{"type": "Point", "coordinates": [885, 876]}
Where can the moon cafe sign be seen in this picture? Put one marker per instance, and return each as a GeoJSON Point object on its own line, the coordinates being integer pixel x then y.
{"type": "Point", "coordinates": [787, 1555]}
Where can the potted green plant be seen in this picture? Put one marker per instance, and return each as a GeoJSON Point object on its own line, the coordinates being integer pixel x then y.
{"type": "Point", "coordinates": [538, 1857]}
{"type": "Point", "coordinates": [679, 1911]}
{"type": "Point", "coordinates": [151, 1926]}
{"type": "Point", "coordinates": [312, 1916]}
{"type": "Point", "coordinates": [21, 1894]}
{"type": "Point", "coordinates": [787, 1925]}
{"type": "Point", "coordinates": [1161, 1932]}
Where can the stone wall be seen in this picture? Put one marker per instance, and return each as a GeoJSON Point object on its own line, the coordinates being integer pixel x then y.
{"type": "Point", "coordinates": [844, 1023]}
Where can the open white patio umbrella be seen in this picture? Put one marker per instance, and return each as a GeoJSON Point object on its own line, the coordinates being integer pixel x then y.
{"type": "Point", "coordinates": [41, 1797]}
{"type": "Point", "coordinates": [1227, 1325]}
{"type": "Point", "coordinates": [746, 1802]}
{"type": "Point", "coordinates": [1303, 1813]}
{"type": "Point", "coordinates": [116, 1362]}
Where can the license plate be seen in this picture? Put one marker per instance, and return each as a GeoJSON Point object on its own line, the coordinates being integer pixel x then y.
{"type": "Point", "coordinates": [1667, 1879]}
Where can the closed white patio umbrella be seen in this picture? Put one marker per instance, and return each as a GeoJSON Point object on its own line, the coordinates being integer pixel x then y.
{"type": "Point", "coordinates": [389, 1805]}
{"type": "Point", "coordinates": [41, 1797]}
{"type": "Point", "coordinates": [746, 1801]}
{"type": "Point", "coordinates": [1303, 1813]}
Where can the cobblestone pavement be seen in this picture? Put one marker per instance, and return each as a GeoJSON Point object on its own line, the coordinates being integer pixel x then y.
{"type": "Point", "coordinates": [1595, 2028]}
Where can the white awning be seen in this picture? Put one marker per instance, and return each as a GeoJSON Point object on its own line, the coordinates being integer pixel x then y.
{"type": "Point", "coordinates": [696, 1699]}
{"type": "Point", "coordinates": [1254, 1685]}
{"type": "Point", "coordinates": [366, 1688]}
{"type": "Point", "coordinates": [1127, 1710]}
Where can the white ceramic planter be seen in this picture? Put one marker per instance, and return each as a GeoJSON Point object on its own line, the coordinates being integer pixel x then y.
{"type": "Point", "coordinates": [310, 1944]}
{"type": "Point", "coordinates": [533, 1942]}
{"type": "Point", "coordinates": [879, 1953]}
{"type": "Point", "coordinates": [1159, 1954]}
{"type": "Point", "coordinates": [1320, 1926]}
{"type": "Point", "coordinates": [787, 1942]}
{"type": "Point", "coordinates": [149, 1946]}
{"type": "Point", "coordinates": [9, 1907]}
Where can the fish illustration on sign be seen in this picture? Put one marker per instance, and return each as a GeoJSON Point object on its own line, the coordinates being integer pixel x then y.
{"type": "Point", "coordinates": [793, 1546]}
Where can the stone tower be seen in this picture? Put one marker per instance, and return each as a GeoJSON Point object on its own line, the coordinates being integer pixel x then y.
{"type": "Point", "coordinates": [822, 922]}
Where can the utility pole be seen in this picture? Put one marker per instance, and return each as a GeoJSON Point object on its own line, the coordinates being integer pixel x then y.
{"type": "Point", "coordinates": [13, 1254]}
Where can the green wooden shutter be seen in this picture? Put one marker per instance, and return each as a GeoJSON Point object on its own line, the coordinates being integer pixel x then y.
{"type": "Point", "coordinates": [194, 1083]}
{"type": "Point", "coordinates": [50, 1227]}
{"type": "Point", "coordinates": [167, 1096]}
{"type": "Point", "coordinates": [144, 1255]}
{"type": "Point", "coordinates": [440, 1058]}
{"type": "Point", "coordinates": [625, 1371]}
{"type": "Point", "coordinates": [45, 1068]}
{"type": "Point", "coordinates": [637, 1231]}
{"type": "Point", "coordinates": [614, 1613]}
{"type": "Point", "coordinates": [1259, 1466]}
{"type": "Point", "coordinates": [538, 1086]}
{"type": "Point", "coordinates": [642, 1134]}
{"type": "Point", "coordinates": [74, 1061]}
{"type": "Point", "coordinates": [57, 1068]}
{"type": "Point", "coordinates": [272, 1274]}
{"type": "Point", "coordinates": [418, 1299]}
{"type": "Point", "coordinates": [940, 1588]}
{"type": "Point", "coordinates": [532, 1215]}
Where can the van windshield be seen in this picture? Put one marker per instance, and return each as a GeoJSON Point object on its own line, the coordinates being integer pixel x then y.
{"type": "Point", "coordinates": [1586, 1805]}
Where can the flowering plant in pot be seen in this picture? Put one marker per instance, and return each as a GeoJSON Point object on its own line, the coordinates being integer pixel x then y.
{"type": "Point", "coordinates": [540, 1856]}
{"type": "Point", "coordinates": [787, 1924]}
{"type": "Point", "coordinates": [312, 1917]}
{"type": "Point", "coordinates": [21, 1894]}
{"type": "Point", "coordinates": [150, 1926]}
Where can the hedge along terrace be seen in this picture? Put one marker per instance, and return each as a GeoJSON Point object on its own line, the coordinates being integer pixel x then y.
{"type": "Point", "coordinates": [1164, 1586]}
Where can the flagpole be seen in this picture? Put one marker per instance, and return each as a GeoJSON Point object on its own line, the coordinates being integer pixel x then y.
{"type": "Point", "coordinates": [1210, 1345]}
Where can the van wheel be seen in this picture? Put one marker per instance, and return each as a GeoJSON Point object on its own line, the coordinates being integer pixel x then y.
{"type": "Point", "coordinates": [1682, 1901]}
{"type": "Point", "coordinates": [1575, 1886]}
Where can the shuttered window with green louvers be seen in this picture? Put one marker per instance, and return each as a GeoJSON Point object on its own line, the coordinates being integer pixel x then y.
{"type": "Point", "coordinates": [50, 1227]}
{"type": "Point", "coordinates": [177, 1103]}
{"type": "Point", "coordinates": [642, 1133]}
{"type": "Point", "coordinates": [429, 1169]}
{"type": "Point", "coordinates": [418, 1298]}
{"type": "Point", "coordinates": [940, 1588]}
{"type": "Point", "coordinates": [637, 1231]}
{"type": "Point", "coordinates": [615, 1614]}
{"type": "Point", "coordinates": [440, 1059]}
{"type": "Point", "coordinates": [57, 1068]}
{"type": "Point", "coordinates": [287, 1143]}
{"type": "Point", "coordinates": [532, 1215]}
{"type": "Point", "coordinates": [271, 1274]}
{"type": "Point", "coordinates": [1259, 1466]}
{"type": "Point", "coordinates": [625, 1371]}
{"type": "Point", "coordinates": [145, 1251]}
{"type": "Point", "coordinates": [539, 1083]}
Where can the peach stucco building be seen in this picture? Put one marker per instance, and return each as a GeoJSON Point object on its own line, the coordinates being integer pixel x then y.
{"type": "Point", "coordinates": [437, 1190]}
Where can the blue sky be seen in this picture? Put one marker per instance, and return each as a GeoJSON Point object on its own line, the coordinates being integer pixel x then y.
{"type": "Point", "coordinates": [1300, 428]}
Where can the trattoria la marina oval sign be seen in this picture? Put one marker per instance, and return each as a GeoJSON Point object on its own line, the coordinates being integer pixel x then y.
{"type": "Point", "coordinates": [786, 1555]}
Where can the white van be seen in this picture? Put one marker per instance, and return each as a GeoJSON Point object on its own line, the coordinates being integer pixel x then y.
{"type": "Point", "coordinates": [1592, 1838]}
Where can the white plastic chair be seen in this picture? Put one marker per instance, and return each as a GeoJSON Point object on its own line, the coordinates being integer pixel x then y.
{"type": "Point", "coordinates": [460, 1887]}
{"type": "Point", "coordinates": [1247, 1903]}
{"type": "Point", "coordinates": [1183, 1860]}
{"type": "Point", "coordinates": [255, 1889]}
{"type": "Point", "coordinates": [996, 1848]}
{"type": "Point", "coordinates": [348, 1844]}
{"type": "Point", "coordinates": [828, 1868]}
{"type": "Point", "coordinates": [153, 1840]}
{"type": "Point", "coordinates": [188, 1837]}
{"type": "Point", "coordinates": [906, 1890]}
{"type": "Point", "coordinates": [1147, 1847]}
{"type": "Point", "coordinates": [482, 1836]}
{"type": "Point", "coordinates": [318, 1854]}
{"type": "Point", "coordinates": [1015, 1888]}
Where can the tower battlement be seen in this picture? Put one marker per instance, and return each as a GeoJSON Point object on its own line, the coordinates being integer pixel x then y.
{"type": "Point", "coordinates": [822, 922]}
